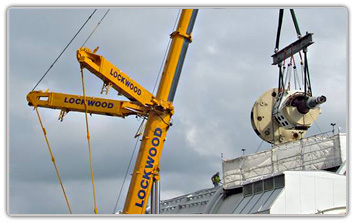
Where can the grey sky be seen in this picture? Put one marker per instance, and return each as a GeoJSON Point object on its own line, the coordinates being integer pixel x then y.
{"type": "Point", "coordinates": [226, 69]}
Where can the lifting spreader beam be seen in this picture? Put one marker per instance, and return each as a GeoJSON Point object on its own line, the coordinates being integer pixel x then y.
{"type": "Point", "coordinates": [292, 49]}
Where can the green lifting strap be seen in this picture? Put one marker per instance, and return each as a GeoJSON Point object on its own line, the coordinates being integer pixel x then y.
{"type": "Point", "coordinates": [295, 22]}
{"type": "Point", "coordinates": [280, 21]}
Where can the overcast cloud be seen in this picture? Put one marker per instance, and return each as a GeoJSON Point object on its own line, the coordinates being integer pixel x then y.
{"type": "Point", "coordinates": [227, 67]}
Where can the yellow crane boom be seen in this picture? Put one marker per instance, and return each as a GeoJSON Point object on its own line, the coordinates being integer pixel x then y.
{"type": "Point", "coordinates": [110, 74]}
{"type": "Point", "coordinates": [69, 102]}
{"type": "Point", "coordinates": [146, 168]}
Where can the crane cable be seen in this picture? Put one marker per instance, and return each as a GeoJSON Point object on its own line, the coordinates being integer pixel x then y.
{"type": "Point", "coordinates": [53, 160]}
{"type": "Point", "coordinates": [95, 27]}
{"type": "Point", "coordinates": [51, 66]}
{"type": "Point", "coordinates": [166, 51]}
{"type": "Point", "coordinates": [88, 140]}
{"type": "Point", "coordinates": [126, 174]}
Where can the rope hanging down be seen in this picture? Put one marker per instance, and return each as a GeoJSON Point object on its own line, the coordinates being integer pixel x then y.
{"type": "Point", "coordinates": [89, 141]}
{"type": "Point", "coordinates": [53, 160]}
{"type": "Point", "coordinates": [51, 66]}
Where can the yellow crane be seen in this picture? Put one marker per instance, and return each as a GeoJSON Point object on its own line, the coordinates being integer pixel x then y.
{"type": "Point", "coordinates": [158, 108]}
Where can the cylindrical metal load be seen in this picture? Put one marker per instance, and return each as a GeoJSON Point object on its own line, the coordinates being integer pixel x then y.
{"type": "Point", "coordinates": [305, 104]}
{"type": "Point", "coordinates": [314, 101]}
{"type": "Point", "coordinates": [278, 119]}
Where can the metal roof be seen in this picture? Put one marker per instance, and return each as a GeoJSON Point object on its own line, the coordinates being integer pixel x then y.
{"type": "Point", "coordinates": [217, 201]}
{"type": "Point", "coordinates": [192, 203]}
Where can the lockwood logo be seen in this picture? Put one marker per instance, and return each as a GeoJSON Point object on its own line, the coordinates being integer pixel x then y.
{"type": "Point", "coordinates": [92, 103]}
{"type": "Point", "coordinates": [144, 183]}
{"type": "Point", "coordinates": [126, 82]}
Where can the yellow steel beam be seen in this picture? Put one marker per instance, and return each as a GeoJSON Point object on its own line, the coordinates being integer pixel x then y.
{"type": "Point", "coordinates": [69, 102]}
{"type": "Point", "coordinates": [147, 163]}
{"type": "Point", "coordinates": [120, 81]}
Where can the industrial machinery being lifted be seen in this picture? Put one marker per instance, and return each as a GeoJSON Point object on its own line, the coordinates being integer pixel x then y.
{"type": "Point", "coordinates": [157, 110]}
{"type": "Point", "coordinates": [285, 113]}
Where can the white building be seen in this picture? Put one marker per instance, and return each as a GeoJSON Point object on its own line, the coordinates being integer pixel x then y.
{"type": "Point", "coordinates": [302, 177]}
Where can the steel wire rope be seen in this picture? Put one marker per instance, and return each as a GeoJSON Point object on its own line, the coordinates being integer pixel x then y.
{"type": "Point", "coordinates": [294, 71]}
{"type": "Point", "coordinates": [314, 121]}
{"type": "Point", "coordinates": [88, 141]}
{"type": "Point", "coordinates": [302, 69]}
{"type": "Point", "coordinates": [288, 76]}
{"type": "Point", "coordinates": [126, 173]}
{"type": "Point", "coordinates": [307, 73]}
{"type": "Point", "coordinates": [259, 146]}
{"type": "Point", "coordinates": [51, 66]}
{"type": "Point", "coordinates": [166, 51]}
{"type": "Point", "coordinates": [297, 78]}
{"type": "Point", "coordinates": [99, 23]}
{"type": "Point", "coordinates": [168, 124]}
{"type": "Point", "coordinates": [53, 160]}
